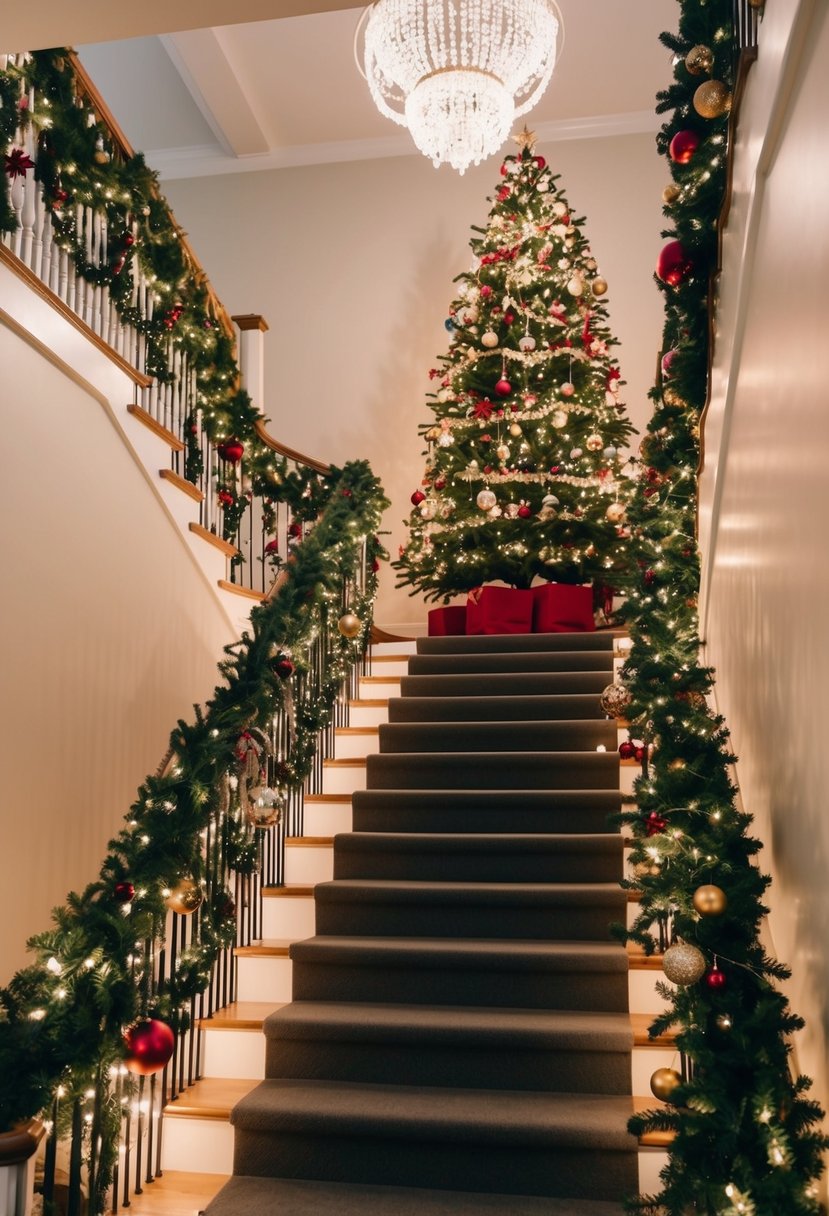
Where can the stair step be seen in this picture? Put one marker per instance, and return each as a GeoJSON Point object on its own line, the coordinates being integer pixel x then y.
{"type": "Point", "coordinates": [511, 662]}
{"type": "Point", "coordinates": [482, 857]}
{"type": "Point", "coordinates": [569, 1145]}
{"type": "Point", "coordinates": [529, 707]}
{"type": "Point", "coordinates": [542, 911]}
{"type": "Point", "coordinates": [437, 810]}
{"type": "Point", "coordinates": [238, 1015]}
{"type": "Point", "coordinates": [328, 813]}
{"type": "Point", "coordinates": [479, 770]}
{"type": "Point", "coordinates": [503, 642]}
{"type": "Point", "coordinates": [504, 684]}
{"type": "Point", "coordinates": [569, 735]}
{"type": "Point", "coordinates": [474, 1048]}
{"type": "Point", "coordinates": [296, 1197]}
{"type": "Point", "coordinates": [432, 971]}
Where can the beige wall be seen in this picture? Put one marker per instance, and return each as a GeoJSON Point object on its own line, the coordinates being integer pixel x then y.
{"type": "Point", "coordinates": [766, 495]}
{"type": "Point", "coordinates": [109, 636]}
{"type": "Point", "coordinates": [352, 266]}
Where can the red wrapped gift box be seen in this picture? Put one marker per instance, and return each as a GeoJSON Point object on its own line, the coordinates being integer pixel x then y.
{"type": "Point", "coordinates": [562, 608]}
{"type": "Point", "coordinates": [447, 622]}
{"type": "Point", "coordinates": [499, 610]}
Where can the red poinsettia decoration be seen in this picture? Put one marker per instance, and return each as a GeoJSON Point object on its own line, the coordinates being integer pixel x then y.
{"type": "Point", "coordinates": [18, 162]}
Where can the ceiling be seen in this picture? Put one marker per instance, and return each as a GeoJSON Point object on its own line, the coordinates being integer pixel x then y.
{"type": "Point", "coordinates": [286, 91]}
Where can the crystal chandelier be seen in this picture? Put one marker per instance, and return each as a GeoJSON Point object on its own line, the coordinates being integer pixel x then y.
{"type": "Point", "coordinates": [458, 72]}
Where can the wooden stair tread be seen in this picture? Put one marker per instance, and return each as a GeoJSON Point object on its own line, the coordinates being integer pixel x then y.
{"type": "Point", "coordinates": [313, 842]}
{"type": "Point", "coordinates": [289, 890]}
{"type": "Point", "coordinates": [266, 947]}
{"type": "Point", "coordinates": [350, 732]}
{"type": "Point", "coordinates": [240, 1015]}
{"type": "Point", "coordinates": [210, 1098]}
{"type": "Point", "coordinates": [245, 592]}
{"type": "Point", "coordinates": [181, 483]}
{"type": "Point", "coordinates": [346, 762]}
{"type": "Point", "coordinates": [218, 542]}
{"type": "Point", "coordinates": [639, 961]}
{"type": "Point", "coordinates": [177, 1193]}
{"type": "Point", "coordinates": [370, 703]}
{"type": "Point", "coordinates": [640, 1023]}
{"type": "Point", "coordinates": [651, 1139]}
{"type": "Point", "coordinates": [388, 679]}
{"type": "Point", "coordinates": [158, 428]}
{"type": "Point", "coordinates": [327, 798]}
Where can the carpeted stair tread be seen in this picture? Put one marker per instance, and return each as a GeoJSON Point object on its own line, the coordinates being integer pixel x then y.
{"type": "Point", "coordinates": [507, 1028]}
{"type": "Point", "coordinates": [490, 953]}
{"type": "Point", "coordinates": [253, 1196]}
{"type": "Point", "coordinates": [527, 708]}
{"type": "Point", "coordinates": [512, 661]}
{"type": "Point", "coordinates": [482, 770]}
{"type": "Point", "coordinates": [505, 684]}
{"type": "Point", "coordinates": [479, 857]}
{"type": "Point", "coordinates": [487, 736]}
{"type": "Point", "coordinates": [436, 810]}
{"type": "Point", "coordinates": [502, 642]}
{"type": "Point", "coordinates": [412, 1113]}
{"type": "Point", "coordinates": [448, 894]}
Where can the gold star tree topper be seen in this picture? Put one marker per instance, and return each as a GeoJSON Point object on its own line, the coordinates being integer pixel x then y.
{"type": "Point", "coordinates": [525, 139]}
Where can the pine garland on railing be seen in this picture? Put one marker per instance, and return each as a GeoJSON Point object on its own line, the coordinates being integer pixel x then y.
{"type": "Point", "coordinates": [62, 1020]}
{"type": "Point", "coordinates": [744, 1136]}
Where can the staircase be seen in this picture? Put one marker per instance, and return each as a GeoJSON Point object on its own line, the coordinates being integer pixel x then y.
{"type": "Point", "coordinates": [457, 1033]}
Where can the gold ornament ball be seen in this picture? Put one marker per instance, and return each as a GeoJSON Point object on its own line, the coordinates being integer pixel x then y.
{"type": "Point", "coordinates": [599, 286]}
{"type": "Point", "coordinates": [264, 809]}
{"type": "Point", "coordinates": [712, 99]}
{"type": "Point", "coordinates": [683, 964]}
{"type": "Point", "coordinates": [184, 897]}
{"type": "Point", "coordinates": [710, 900]}
{"type": "Point", "coordinates": [515, 430]}
{"type": "Point", "coordinates": [671, 193]}
{"type": "Point", "coordinates": [615, 512]}
{"type": "Point", "coordinates": [593, 443]}
{"type": "Point", "coordinates": [615, 700]}
{"type": "Point", "coordinates": [699, 60]}
{"type": "Point", "coordinates": [349, 625]}
{"type": "Point", "coordinates": [489, 339]}
{"type": "Point", "coordinates": [432, 434]}
{"type": "Point", "coordinates": [101, 156]}
{"type": "Point", "coordinates": [664, 1082]}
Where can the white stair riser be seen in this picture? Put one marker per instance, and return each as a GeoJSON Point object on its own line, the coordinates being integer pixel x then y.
{"type": "Point", "coordinates": [651, 1161]}
{"type": "Point", "coordinates": [234, 1053]}
{"type": "Point", "coordinates": [395, 648]}
{"type": "Point", "coordinates": [264, 979]}
{"type": "Point", "coordinates": [367, 715]}
{"type": "Point", "coordinates": [343, 780]}
{"type": "Point", "coordinates": [197, 1146]}
{"type": "Point", "coordinates": [389, 666]}
{"type": "Point", "coordinates": [642, 994]}
{"type": "Point", "coordinates": [347, 747]}
{"type": "Point", "coordinates": [306, 863]}
{"type": "Point", "coordinates": [290, 917]}
{"type": "Point", "coordinates": [627, 775]}
{"type": "Point", "coordinates": [372, 690]}
{"type": "Point", "coordinates": [328, 818]}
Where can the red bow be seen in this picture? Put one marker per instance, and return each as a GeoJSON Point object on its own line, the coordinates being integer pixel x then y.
{"type": "Point", "coordinates": [17, 162]}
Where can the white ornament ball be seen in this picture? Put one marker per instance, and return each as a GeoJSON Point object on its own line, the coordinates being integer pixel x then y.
{"type": "Point", "coordinates": [567, 389]}
{"type": "Point", "coordinates": [575, 453]}
{"type": "Point", "coordinates": [593, 442]}
{"type": "Point", "coordinates": [445, 439]}
{"type": "Point", "coordinates": [444, 395]}
{"type": "Point", "coordinates": [559, 209]}
{"type": "Point", "coordinates": [489, 339]}
{"type": "Point", "coordinates": [511, 510]}
{"type": "Point", "coordinates": [575, 286]}
{"type": "Point", "coordinates": [558, 419]}
{"type": "Point", "coordinates": [526, 343]}
{"type": "Point", "coordinates": [515, 429]}
{"type": "Point", "coordinates": [610, 452]}
{"type": "Point", "coordinates": [542, 185]}
{"type": "Point", "coordinates": [502, 451]}
{"type": "Point", "coordinates": [428, 509]}
{"type": "Point", "coordinates": [615, 512]}
{"type": "Point", "coordinates": [494, 512]}
{"type": "Point", "coordinates": [549, 500]}
{"type": "Point", "coordinates": [486, 500]}
{"type": "Point", "coordinates": [470, 316]}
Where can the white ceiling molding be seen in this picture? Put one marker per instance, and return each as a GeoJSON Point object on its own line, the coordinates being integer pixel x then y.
{"type": "Point", "coordinates": [201, 59]}
{"type": "Point", "coordinates": [174, 163]}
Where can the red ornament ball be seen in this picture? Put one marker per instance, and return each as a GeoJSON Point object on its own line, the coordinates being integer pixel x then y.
{"type": "Point", "coordinates": [123, 892]}
{"type": "Point", "coordinates": [639, 754]}
{"type": "Point", "coordinates": [225, 498]}
{"type": "Point", "coordinates": [439, 483]}
{"type": "Point", "coordinates": [715, 979]}
{"type": "Point", "coordinates": [149, 1045]}
{"type": "Point", "coordinates": [503, 193]}
{"type": "Point", "coordinates": [683, 146]}
{"type": "Point", "coordinates": [540, 162]}
{"type": "Point", "coordinates": [486, 291]}
{"type": "Point", "coordinates": [417, 498]}
{"type": "Point", "coordinates": [504, 169]}
{"type": "Point", "coordinates": [503, 388]}
{"type": "Point", "coordinates": [655, 823]}
{"type": "Point", "coordinates": [673, 265]}
{"type": "Point", "coordinates": [626, 750]}
{"type": "Point", "coordinates": [295, 529]}
{"type": "Point", "coordinates": [524, 512]}
{"type": "Point", "coordinates": [231, 450]}
{"type": "Point", "coordinates": [283, 666]}
{"type": "Point", "coordinates": [667, 361]}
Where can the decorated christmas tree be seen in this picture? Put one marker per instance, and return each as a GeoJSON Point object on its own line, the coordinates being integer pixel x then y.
{"type": "Point", "coordinates": [525, 453]}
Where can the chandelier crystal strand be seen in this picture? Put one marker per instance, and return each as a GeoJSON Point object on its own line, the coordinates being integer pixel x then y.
{"type": "Point", "coordinates": [458, 72]}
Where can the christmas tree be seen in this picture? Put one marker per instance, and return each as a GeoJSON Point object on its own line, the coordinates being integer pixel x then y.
{"type": "Point", "coordinates": [524, 456]}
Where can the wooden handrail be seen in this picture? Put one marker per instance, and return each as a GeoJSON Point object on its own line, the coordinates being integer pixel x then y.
{"type": "Point", "coordinates": [283, 450]}
{"type": "Point", "coordinates": [90, 91]}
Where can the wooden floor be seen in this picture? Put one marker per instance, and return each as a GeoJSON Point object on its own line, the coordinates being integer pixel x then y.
{"type": "Point", "coordinates": [177, 1194]}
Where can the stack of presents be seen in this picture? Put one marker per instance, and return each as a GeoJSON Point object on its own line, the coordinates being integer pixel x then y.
{"type": "Point", "coordinates": [546, 608]}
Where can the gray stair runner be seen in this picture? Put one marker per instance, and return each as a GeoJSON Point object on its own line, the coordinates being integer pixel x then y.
{"type": "Point", "coordinates": [459, 1038]}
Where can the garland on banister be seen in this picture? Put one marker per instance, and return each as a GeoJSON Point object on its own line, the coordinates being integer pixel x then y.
{"type": "Point", "coordinates": [63, 1019]}
{"type": "Point", "coordinates": [78, 165]}
{"type": "Point", "coordinates": [745, 1138]}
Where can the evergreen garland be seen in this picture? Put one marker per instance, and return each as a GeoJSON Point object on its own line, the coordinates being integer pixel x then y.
{"type": "Point", "coordinates": [62, 1018]}
{"type": "Point", "coordinates": [744, 1135]}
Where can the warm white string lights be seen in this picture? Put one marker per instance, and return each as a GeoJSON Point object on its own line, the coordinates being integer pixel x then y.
{"type": "Point", "coordinates": [458, 72]}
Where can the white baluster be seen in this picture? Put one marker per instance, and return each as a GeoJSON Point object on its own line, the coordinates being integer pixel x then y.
{"type": "Point", "coordinates": [42, 248]}
{"type": "Point", "coordinates": [76, 286]}
{"type": "Point", "coordinates": [31, 190]}
{"type": "Point", "coordinates": [91, 290]}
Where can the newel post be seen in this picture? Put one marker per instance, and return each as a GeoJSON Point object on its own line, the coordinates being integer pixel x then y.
{"type": "Point", "coordinates": [17, 1168]}
{"type": "Point", "coordinates": [252, 329]}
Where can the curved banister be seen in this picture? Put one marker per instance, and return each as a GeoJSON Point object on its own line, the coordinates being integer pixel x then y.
{"type": "Point", "coordinates": [290, 453]}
